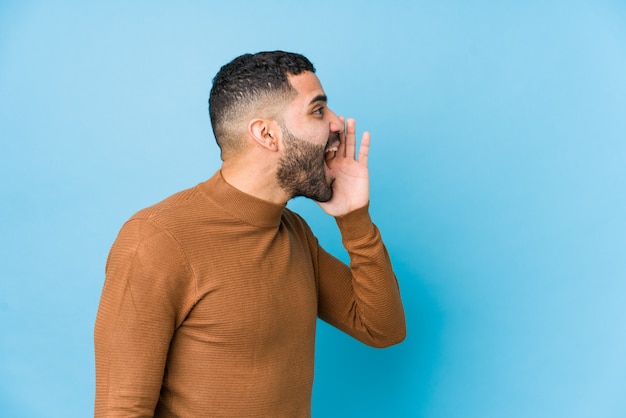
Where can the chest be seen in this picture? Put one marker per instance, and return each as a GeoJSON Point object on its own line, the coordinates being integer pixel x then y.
{"type": "Point", "coordinates": [255, 288]}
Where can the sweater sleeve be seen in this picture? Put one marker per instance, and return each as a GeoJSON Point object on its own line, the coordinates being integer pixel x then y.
{"type": "Point", "coordinates": [147, 290]}
{"type": "Point", "coordinates": [363, 299]}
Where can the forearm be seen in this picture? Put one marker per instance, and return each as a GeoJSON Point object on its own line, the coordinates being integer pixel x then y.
{"type": "Point", "coordinates": [364, 299]}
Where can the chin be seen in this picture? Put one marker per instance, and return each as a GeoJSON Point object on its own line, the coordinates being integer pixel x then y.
{"type": "Point", "coordinates": [328, 193]}
{"type": "Point", "coordinates": [324, 199]}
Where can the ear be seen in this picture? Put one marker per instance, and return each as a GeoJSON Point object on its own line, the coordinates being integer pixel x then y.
{"type": "Point", "coordinates": [265, 133]}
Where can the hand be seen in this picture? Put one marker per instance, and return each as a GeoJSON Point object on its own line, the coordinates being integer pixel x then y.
{"type": "Point", "coordinates": [351, 188]}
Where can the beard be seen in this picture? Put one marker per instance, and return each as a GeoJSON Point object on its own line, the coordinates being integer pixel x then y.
{"type": "Point", "coordinates": [301, 171]}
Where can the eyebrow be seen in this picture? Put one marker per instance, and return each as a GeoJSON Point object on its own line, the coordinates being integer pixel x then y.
{"type": "Point", "coordinates": [319, 98]}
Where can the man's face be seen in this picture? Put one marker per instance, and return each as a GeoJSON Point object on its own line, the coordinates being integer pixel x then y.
{"type": "Point", "coordinates": [310, 138]}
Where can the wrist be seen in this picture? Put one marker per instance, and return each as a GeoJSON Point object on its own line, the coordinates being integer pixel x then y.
{"type": "Point", "coordinates": [355, 224]}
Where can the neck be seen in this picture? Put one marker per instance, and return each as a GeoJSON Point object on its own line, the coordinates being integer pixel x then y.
{"type": "Point", "coordinates": [258, 180]}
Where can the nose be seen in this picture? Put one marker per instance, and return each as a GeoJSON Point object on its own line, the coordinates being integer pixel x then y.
{"type": "Point", "coordinates": [336, 124]}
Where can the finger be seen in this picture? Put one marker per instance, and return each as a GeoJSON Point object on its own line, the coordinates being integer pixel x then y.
{"type": "Point", "coordinates": [350, 138]}
{"type": "Point", "coordinates": [364, 149]}
{"type": "Point", "coordinates": [341, 151]}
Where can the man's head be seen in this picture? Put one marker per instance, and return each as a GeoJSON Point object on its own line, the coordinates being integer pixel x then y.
{"type": "Point", "coordinates": [251, 85]}
{"type": "Point", "coordinates": [269, 113]}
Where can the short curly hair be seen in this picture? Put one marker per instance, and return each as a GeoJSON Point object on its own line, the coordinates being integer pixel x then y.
{"type": "Point", "coordinates": [251, 85]}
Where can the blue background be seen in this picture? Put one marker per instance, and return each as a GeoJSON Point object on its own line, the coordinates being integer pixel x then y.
{"type": "Point", "coordinates": [498, 169]}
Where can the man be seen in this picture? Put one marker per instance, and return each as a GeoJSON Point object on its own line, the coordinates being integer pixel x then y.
{"type": "Point", "coordinates": [211, 296]}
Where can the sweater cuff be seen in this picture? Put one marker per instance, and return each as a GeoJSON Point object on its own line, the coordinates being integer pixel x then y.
{"type": "Point", "coordinates": [356, 224]}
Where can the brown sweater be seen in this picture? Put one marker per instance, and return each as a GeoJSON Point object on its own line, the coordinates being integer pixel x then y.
{"type": "Point", "coordinates": [210, 303]}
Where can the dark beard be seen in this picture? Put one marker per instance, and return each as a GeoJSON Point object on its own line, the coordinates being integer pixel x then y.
{"type": "Point", "coordinates": [301, 170]}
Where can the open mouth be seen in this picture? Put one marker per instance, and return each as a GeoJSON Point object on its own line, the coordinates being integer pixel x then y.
{"type": "Point", "coordinates": [331, 150]}
{"type": "Point", "coordinates": [329, 155]}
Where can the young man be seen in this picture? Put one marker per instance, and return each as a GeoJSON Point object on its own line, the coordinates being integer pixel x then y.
{"type": "Point", "coordinates": [211, 296]}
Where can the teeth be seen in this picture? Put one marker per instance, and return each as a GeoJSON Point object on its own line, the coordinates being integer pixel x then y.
{"type": "Point", "coordinates": [331, 149]}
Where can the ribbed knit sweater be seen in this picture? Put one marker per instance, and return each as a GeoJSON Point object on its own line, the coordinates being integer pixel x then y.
{"type": "Point", "coordinates": [210, 302]}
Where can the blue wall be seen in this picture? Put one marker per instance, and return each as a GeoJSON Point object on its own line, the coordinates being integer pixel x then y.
{"type": "Point", "coordinates": [498, 166]}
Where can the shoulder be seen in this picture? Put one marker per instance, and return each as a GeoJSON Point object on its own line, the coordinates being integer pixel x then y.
{"type": "Point", "coordinates": [293, 219]}
{"type": "Point", "coordinates": [298, 226]}
{"type": "Point", "coordinates": [156, 225]}
{"type": "Point", "coordinates": [169, 206]}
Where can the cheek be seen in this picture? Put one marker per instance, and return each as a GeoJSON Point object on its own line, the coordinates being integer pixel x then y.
{"type": "Point", "coordinates": [316, 137]}
{"type": "Point", "coordinates": [322, 135]}
{"type": "Point", "coordinates": [312, 131]}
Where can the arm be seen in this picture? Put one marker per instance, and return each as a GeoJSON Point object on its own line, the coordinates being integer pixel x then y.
{"type": "Point", "coordinates": [363, 300]}
{"type": "Point", "coordinates": [147, 283]}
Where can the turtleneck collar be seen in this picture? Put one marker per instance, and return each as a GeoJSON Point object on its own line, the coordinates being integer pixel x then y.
{"type": "Point", "coordinates": [243, 206]}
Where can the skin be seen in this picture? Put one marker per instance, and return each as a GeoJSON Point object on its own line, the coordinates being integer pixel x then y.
{"type": "Point", "coordinates": [303, 171]}
{"type": "Point", "coordinates": [307, 118]}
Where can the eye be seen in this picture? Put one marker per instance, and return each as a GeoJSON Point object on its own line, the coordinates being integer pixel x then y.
{"type": "Point", "coordinates": [319, 111]}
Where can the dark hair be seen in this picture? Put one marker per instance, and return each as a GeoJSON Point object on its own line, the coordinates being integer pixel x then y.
{"type": "Point", "coordinates": [250, 81]}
